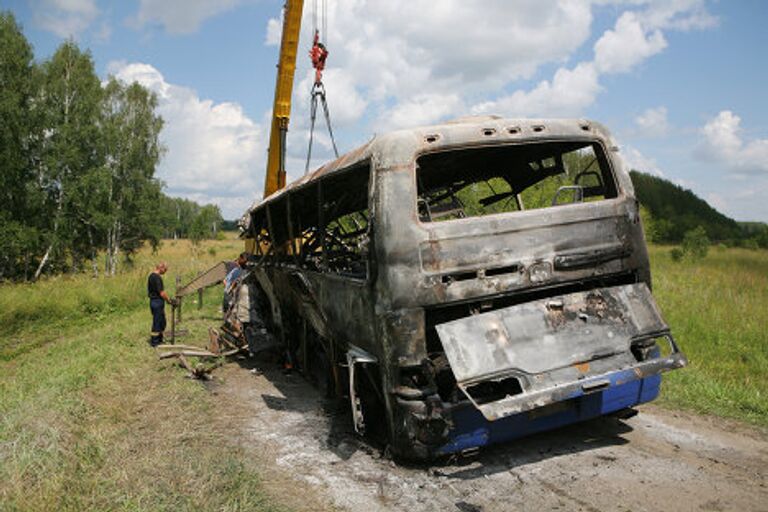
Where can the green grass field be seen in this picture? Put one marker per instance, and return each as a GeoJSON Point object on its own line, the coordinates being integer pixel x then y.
{"type": "Point", "coordinates": [89, 419]}
{"type": "Point", "coordinates": [718, 311]}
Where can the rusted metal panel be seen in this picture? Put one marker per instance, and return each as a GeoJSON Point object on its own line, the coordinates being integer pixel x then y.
{"type": "Point", "coordinates": [535, 341]}
{"type": "Point", "coordinates": [210, 277]}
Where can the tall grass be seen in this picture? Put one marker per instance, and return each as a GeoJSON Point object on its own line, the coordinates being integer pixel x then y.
{"type": "Point", "coordinates": [88, 418]}
{"type": "Point", "coordinates": [84, 300]}
{"type": "Point", "coordinates": [718, 310]}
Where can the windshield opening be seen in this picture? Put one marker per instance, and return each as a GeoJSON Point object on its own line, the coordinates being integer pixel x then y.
{"type": "Point", "coordinates": [482, 181]}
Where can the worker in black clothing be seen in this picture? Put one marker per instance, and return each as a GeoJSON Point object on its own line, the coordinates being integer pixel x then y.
{"type": "Point", "coordinates": [157, 299]}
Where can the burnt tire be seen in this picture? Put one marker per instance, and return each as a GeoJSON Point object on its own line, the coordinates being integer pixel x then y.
{"type": "Point", "coordinates": [374, 410]}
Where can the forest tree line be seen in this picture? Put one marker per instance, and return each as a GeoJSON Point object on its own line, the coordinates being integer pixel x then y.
{"type": "Point", "coordinates": [671, 212]}
{"type": "Point", "coordinates": [78, 157]}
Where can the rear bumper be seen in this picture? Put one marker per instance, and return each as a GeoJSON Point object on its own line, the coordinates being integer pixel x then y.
{"type": "Point", "coordinates": [596, 382]}
{"type": "Point", "coordinates": [626, 389]}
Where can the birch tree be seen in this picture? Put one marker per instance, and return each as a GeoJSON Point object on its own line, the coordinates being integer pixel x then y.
{"type": "Point", "coordinates": [70, 98]}
{"type": "Point", "coordinates": [132, 151]}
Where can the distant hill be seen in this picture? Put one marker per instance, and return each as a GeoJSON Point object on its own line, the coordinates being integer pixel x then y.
{"type": "Point", "coordinates": [675, 210]}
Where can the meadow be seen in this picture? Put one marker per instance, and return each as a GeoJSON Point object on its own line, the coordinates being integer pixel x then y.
{"type": "Point", "coordinates": [89, 419]}
{"type": "Point", "coordinates": [718, 310]}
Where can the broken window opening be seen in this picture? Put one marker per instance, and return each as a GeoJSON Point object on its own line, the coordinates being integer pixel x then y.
{"type": "Point", "coordinates": [463, 183]}
{"type": "Point", "coordinates": [323, 226]}
{"type": "Point", "coordinates": [346, 232]}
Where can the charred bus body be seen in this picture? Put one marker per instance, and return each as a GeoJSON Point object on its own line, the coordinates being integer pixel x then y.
{"type": "Point", "coordinates": [467, 283]}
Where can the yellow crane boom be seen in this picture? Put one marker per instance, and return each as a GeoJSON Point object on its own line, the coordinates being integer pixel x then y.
{"type": "Point", "coordinates": [281, 109]}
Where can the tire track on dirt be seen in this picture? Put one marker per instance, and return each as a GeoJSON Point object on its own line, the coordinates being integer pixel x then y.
{"type": "Point", "coordinates": [658, 460]}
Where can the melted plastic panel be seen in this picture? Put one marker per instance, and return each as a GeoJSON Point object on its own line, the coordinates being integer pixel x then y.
{"type": "Point", "coordinates": [544, 335]}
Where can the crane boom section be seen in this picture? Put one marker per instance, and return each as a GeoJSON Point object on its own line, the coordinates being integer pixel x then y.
{"type": "Point", "coordinates": [281, 109]}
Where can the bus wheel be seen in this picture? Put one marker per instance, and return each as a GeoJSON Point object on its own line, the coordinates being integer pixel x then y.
{"type": "Point", "coordinates": [371, 402]}
{"type": "Point", "coordinates": [322, 373]}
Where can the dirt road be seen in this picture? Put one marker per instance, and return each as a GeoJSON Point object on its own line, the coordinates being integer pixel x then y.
{"type": "Point", "coordinates": [655, 461]}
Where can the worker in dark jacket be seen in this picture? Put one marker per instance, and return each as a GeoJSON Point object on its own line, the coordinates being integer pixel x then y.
{"type": "Point", "coordinates": [157, 299]}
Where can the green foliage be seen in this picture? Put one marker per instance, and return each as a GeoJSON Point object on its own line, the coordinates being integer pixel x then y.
{"type": "Point", "coordinates": [757, 232]}
{"type": "Point", "coordinates": [205, 224]}
{"type": "Point", "coordinates": [18, 197]}
{"type": "Point", "coordinates": [696, 243]}
{"type": "Point", "coordinates": [677, 254]}
{"type": "Point", "coordinates": [751, 243]}
{"type": "Point", "coordinates": [78, 162]}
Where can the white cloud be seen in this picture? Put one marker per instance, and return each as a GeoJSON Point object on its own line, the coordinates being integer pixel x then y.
{"type": "Point", "coordinates": [417, 61]}
{"type": "Point", "coordinates": [677, 14]}
{"type": "Point", "coordinates": [411, 62]}
{"type": "Point", "coordinates": [274, 31]}
{"type": "Point", "coordinates": [403, 63]}
{"type": "Point", "coordinates": [569, 93]}
{"type": "Point", "coordinates": [180, 16]}
{"type": "Point", "coordinates": [424, 109]}
{"type": "Point", "coordinates": [723, 143]}
{"type": "Point", "coordinates": [215, 153]}
{"type": "Point", "coordinates": [628, 44]}
{"type": "Point", "coordinates": [64, 18]}
{"type": "Point", "coordinates": [635, 37]}
{"type": "Point", "coordinates": [637, 161]}
{"type": "Point", "coordinates": [345, 102]}
{"type": "Point", "coordinates": [653, 122]}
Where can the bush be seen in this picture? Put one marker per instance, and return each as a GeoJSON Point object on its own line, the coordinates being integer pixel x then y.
{"type": "Point", "coordinates": [751, 243]}
{"type": "Point", "coordinates": [677, 254]}
{"type": "Point", "coordinates": [696, 243]}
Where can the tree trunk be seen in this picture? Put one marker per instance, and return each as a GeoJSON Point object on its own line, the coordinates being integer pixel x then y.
{"type": "Point", "coordinates": [94, 265]}
{"type": "Point", "coordinates": [113, 248]}
{"type": "Point", "coordinates": [43, 262]}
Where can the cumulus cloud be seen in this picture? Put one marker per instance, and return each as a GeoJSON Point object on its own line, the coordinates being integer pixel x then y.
{"type": "Point", "coordinates": [274, 31]}
{"type": "Point", "coordinates": [424, 109]}
{"type": "Point", "coordinates": [417, 61]}
{"type": "Point", "coordinates": [628, 44]}
{"type": "Point", "coordinates": [569, 92]}
{"type": "Point", "coordinates": [723, 142]}
{"type": "Point", "coordinates": [403, 63]}
{"type": "Point", "coordinates": [179, 16]}
{"type": "Point", "coordinates": [653, 122]}
{"type": "Point", "coordinates": [414, 61]}
{"type": "Point", "coordinates": [677, 14]}
{"type": "Point", "coordinates": [635, 37]}
{"type": "Point", "coordinates": [64, 18]}
{"type": "Point", "coordinates": [637, 161]}
{"type": "Point", "coordinates": [215, 153]}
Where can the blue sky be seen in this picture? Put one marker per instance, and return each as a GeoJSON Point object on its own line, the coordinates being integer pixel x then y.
{"type": "Point", "coordinates": [679, 82]}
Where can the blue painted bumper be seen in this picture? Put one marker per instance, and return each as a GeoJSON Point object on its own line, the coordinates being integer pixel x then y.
{"type": "Point", "coordinates": [472, 430]}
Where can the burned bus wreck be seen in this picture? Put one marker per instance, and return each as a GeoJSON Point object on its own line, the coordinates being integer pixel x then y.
{"type": "Point", "coordinates": [467, 283]}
